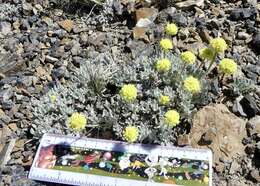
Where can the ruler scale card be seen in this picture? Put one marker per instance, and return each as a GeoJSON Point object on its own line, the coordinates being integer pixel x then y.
{"type": "Point", "coordinates": [94, 162]}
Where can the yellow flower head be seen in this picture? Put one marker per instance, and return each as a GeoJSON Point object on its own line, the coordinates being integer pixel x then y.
{"type": "Point", "coordinates": [206, 179]}
{"type": "Point", "coordinates": [188, 57]}
{"type": "Point", "coordinates": [163, 65]}
{"type": "Point", "coordinates": [192, 84]}
{"type": "Point", "coordinates": [171, 29]}
{"type": "Point", "coordinates": [219, 45]}
{"type": "Point", "coordinates": [172, 118]}
{"type": "Point", "coordinates": [77, 121]}
{"type": "Point", "coordinates": [131, 133]}
{"type": "Point", "coordinates": [164, 100]}
{"type": "Point", "coordinates": [206, 54]}
{"type": "Point", "coordinates": [227, 66]}
{"type": "Point", "coordinates": [53, 98]}
{"type": "Point", "coordinates": [128, 92]}
{"type": "Point", "coordinates": [166, 44]}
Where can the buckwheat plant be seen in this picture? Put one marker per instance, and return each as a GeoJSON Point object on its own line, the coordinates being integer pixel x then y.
{"type": "Point", "coordinates": [151, 98]}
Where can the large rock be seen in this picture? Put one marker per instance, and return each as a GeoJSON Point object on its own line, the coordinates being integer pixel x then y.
{"type": "Point", "coordinates": [215, 127]}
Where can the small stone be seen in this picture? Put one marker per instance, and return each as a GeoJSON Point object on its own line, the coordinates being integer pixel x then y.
{"type": "Point", "coordinates": [249, 106]}
{"type": "Point", "coordinates": [180, 19]}
{"type": "Point", "coordinates": [60, 72]}
{"type": "Point", "coordinates": [41, 72]}
{"type": "Point", "coordinates": [118, 7]}
{"type": "Point", "coordinates": [253, 125]}
{"type": "Point", "coordinates": [6, 94]}
{"type": "Point", "coordinates": [183, 140]}
{"type": "Point", "coordinates": [237, 107]}
{"type": "Point", "coordinates": [149, 13]}
{"type": "Point", "coordinates": [243, 35]}
{"type": "Point", "coordinates": [234, 167]}
{"type": "Point", "coordinates": [66, 24]}
{"type": "Point", "coordinates": [256, 43]}
{"type": "Point", "coordinates": [242, 13]}
{"type": "Point", "coordinates": [76, 49]}
{"type": "Point", "coordinates": [204, 35]}
{"type": "Point", "coordinates": [97, 39]}
{"type": "Point", "coordinates": [5, 28]}
{"type": "Point", "coordinates": [19, 144]}
{"type": "Point", "coordinates": [83, 39]}
{"type": "Point", "coordinates": [255, 175]}
{"type": "Point", "coordinates": [143, 23]}
{"type": "Point", "coordinates": [13, 127]}
{"type": "Point", "coordinates": [27, 8]}
{"type": "Point", "coordinates": [184, 33]}
{"type": "Point", "coordinates": [51, 59]}
{"type": "Point", "coordinates": [140, 33]}
{"type": "Point", "coordinates": [189, 4]}
{"type": "Point", "coordinates": [48, 21]}
{"type": "Point", "coordinates": [76, 60]}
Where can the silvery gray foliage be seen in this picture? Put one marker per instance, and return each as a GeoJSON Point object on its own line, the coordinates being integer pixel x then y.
{"type": "Point", "coordinates": [242, 86]}
{"type": "Point", "coordinates": [96, 73]}
{"type": "Point", "coordinates": [7, 10]}
{"type": "Point", "coordinates": [94, 91]}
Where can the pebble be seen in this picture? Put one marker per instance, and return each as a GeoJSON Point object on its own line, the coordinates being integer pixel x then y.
{"type": "Point", "coordinates": [243, 35]}
{"type": "Point", "coordinates": [66, 24]}
{"type": "Point", "coordinates": [242, 14]}
{"type": "Point", "coordinates": [5, 28]}
{"type": "Point", "coordinates": [180, 19]}
{"type": "Point", "coordinates": [256, 43]}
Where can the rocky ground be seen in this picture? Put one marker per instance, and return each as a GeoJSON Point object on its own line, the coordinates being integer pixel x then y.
{"type": "Point", "coordinates": [41, 40]}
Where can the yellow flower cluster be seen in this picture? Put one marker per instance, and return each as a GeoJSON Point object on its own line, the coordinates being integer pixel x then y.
{"type": "Point", "coordinates": [227, 66]}
{"type": "Point", "coordinates": [192, 85]}
{"type": "Point", "coordinates": [218, 44]}
{"type": "Point", "coordinates": [128, 92]}
{"type": "Point", "coordinates": [206, 54]}
{"type": "Point", "coordinates": [131, 133]}
{"type": "Point", "coordinates": [77, 121]}
{"type": "Point", "coordinates": [188, 57]}
{"type": "Point", "coordinates": [164, 100]}
{"type": "Point", "coordinates": [163, 65]}
{"type": "Point", "coordinates": [172, 118]}
{"type": "Point", "coordinates": [171, 29]}
{"type": "Point", "coordinates": [166, 44]}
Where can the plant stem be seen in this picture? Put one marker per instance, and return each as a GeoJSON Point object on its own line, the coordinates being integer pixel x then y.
{"type": "Point", "coordinates": [211, 63]}
{"type": "Point", "coordinates": [183, 67]}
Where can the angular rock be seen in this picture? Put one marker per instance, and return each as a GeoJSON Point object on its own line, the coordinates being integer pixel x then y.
{"type": "Point", "coordinates": [242, 13]}
{"type": "Point", "coordinates": [66, 24]}
{"type": "Point", "coordinates": [51, 59]}
{"type": "Point", "coordinates": [140, 33]}
{"type": "Point", "coordinates": [189, 4]}
{"type": "Point", "coordinates": [180, 19]}
{"type": "Point", "coordinates": [215, 127]}
{"type": "Point", "coordinates": [249, 106]}
{"type": "Point", "coordinates": [253, 125]}
{"type": "Point", "coordinates": [256, 43]}
{"type": "Point", "coordinates": [5, 28]}
{"type": "Point", "coordinates": [255, 175]}
{"type": "Point", "coordinates": [237, 107]}
{"type": "Point", "coordinates": [146, 13]}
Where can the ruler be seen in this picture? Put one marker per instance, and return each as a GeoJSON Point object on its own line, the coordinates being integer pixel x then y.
{"type": "Point", "coordinates": [96, 162]}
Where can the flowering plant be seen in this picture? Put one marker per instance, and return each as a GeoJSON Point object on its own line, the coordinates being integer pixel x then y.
{"type": "Point", "coordinates": [151, 98]}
